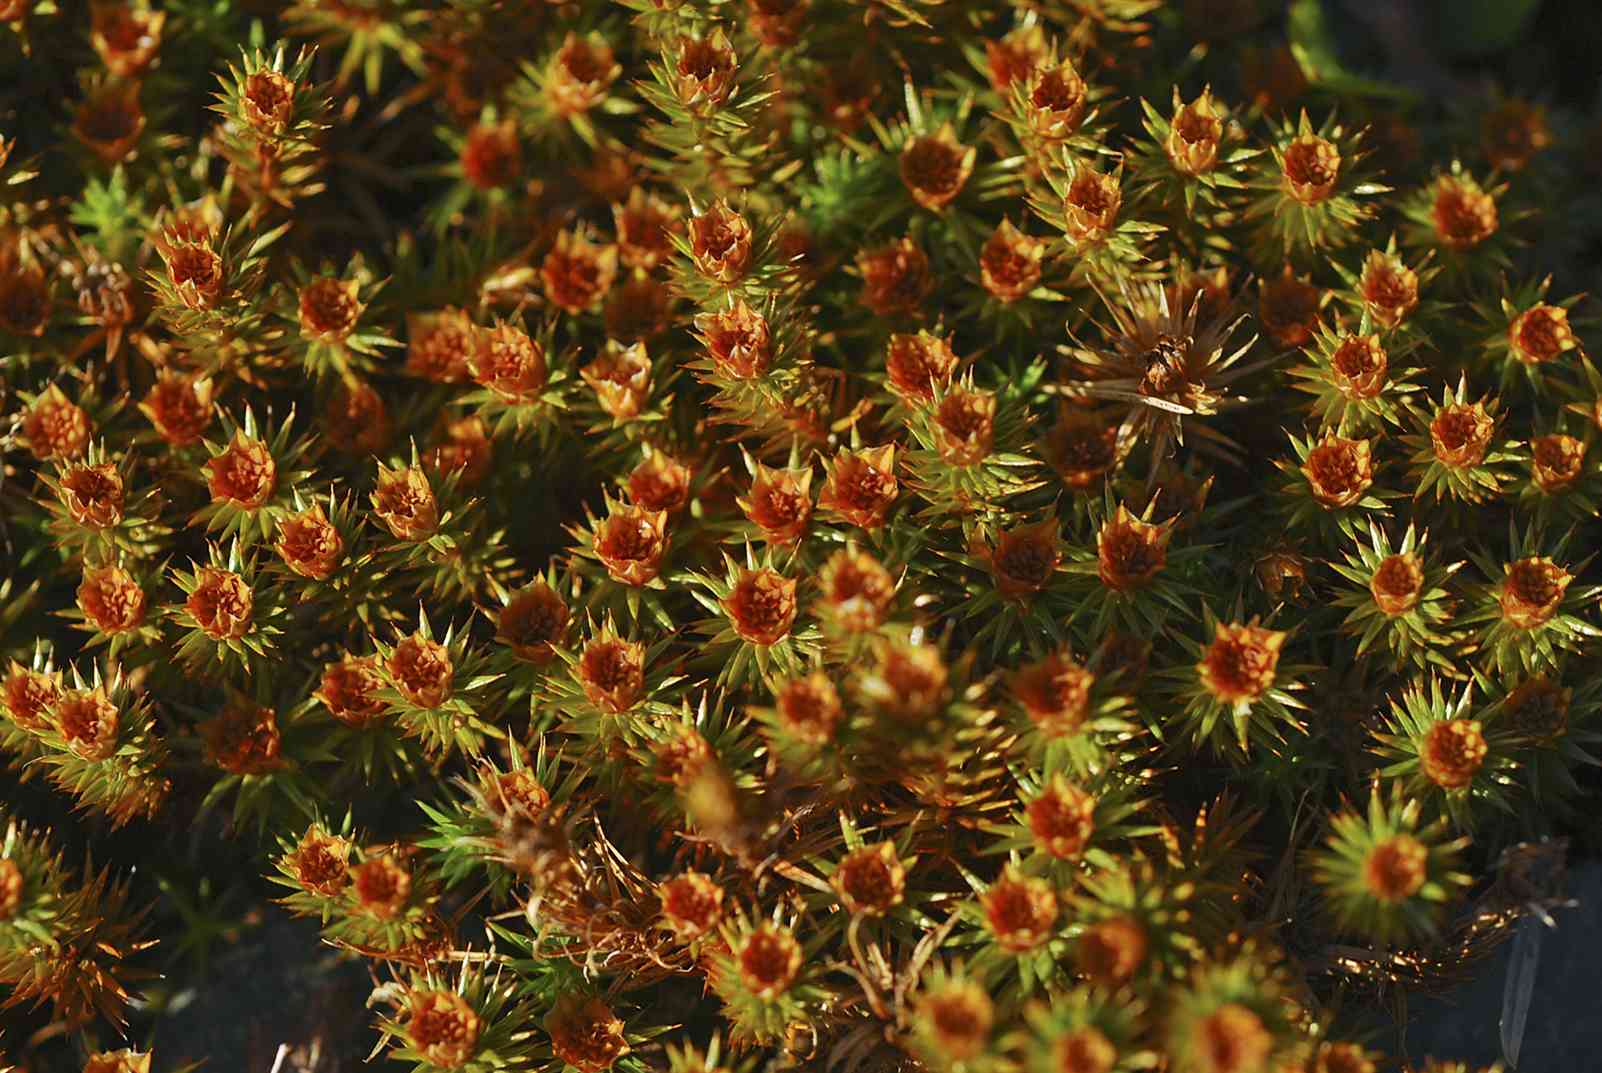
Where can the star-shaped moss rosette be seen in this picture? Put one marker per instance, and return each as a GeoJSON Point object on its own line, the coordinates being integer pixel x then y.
{"type": "Point", "coordinates": [179, 407]}
{"type": "Point", "coordinates": [27, 690]}
{"type": "Point", "coordinates": [1290, 305]}
{"type": "Point", "coordinates": [1069, 716]}
{"type": "Point", "coordinates": [1563, 485]}
{"type": "Point", "coordinates": [755, 357]}
{"type": "Point", "coordinates": [806, 728]}
{"type": "Point", "coordinates": [1235, 1005]}
{"type": "Point", "coordinates": [1013, 931]}
{"type": "Point", "coordinates": [230, 618]}
{"type": "Point", "coordinates": [1328, 488]}
{"type": "Point", "coordinates": [952, 1019]}
{"type": "Point", "coordinates": [728, 250]}
{"type": "Point", "coordinates": [935, 160]}
{"type": "Point", "coordinates": [263, 751]}
{"type": "Point", "coordinates": [1019, 287]}
{"type": "Point", "coordinates": [1127, 573]}
{"type": "Point", "coordinates": [1136, 923]}
{"type": "Point", "coordinates": [1166, 365]}
{"type": "Point", "coordinates": [272, 133]}
{"type": "Point", "coordinates": [765, 977]}
{"type": "Point", "coordinates": [941, 162]}
{"type": "Point", "coordinates": [1458, 451]}
{"type": "Point", "coordinates": [314, 865]}
{"type": "Point", "coordinates": [706, 92]}
{"type": "Point", "coordinates": [1192, 160]}
{"type": "Point", "coordinates": [1526, 339]}
{"type": "Point", "coordinates": [614, 684]}
{"type": "Point", "coordinates": [1464, 223]}
{"type": "Point", "coordinates": [1552, 719]}
{"type": "Point", "coordinates": [437, 534]}
{"type": "Point", "coordinates": [53, 427]}
{"type": "Point", "coordinates": [1314, 192]}
{"type": "Point", "coordinates": [405, 502]}
{"type": "Point", "coordinates": [1085, 202]}
{"type": "Point", "coordinates": [701, 765]}
{"type": "Point", "coordinates": [914, 708]}
{"type": "Point", "coordinates": [626, 396]}
{"type": "Point", "coordinates": [1386, 874]}
{"type": "Point", "coordinates": [530, 624]}
{"type": "Point", "coordinates": [320, 548]}
{"type": "Point", "coordinates": [524, 381]}
{"type": "Point", "coordinates": [1086, 1027]}
{"type": "Point", "coordinates": [754, 631]}
{"type": "Point", "coordinates": [862, 890]}
{"type": "Point", "coordinates": [329, 329]}
{"type": "Point", "coordinates": [855, 598]}
{"type": "Point", "coordinates": [1014, 584]}
{"type": "Point", "coordinates": [1358, 381]}
{"type": "Point", "coordinates": [101, 747]}
{"type": "Point", "coordinates": [98, 511]}
{"type": "Point", "coordinates": [896, 280]}
{"type": "Point", "coordinates": [622, 557]}
{"type": "Point", "coordinates": [211, 272]}
{"type": "Point", "coordinates": [113, 605]}
{"type": "Point", "coordinates": [587, 1031]}
{"type": "Point", "coordinates": [1448, 752]}
{"type": "Point", "coordinates": [1067, 819]}
{"type": "Point", "coordinates": [1052, 108]}
{"type": "Point", "coordinates": [669, 478]}
{"type": "Point", "coordinates": [347, 706]}
{"type": "Point", "coordinates": [861, 492]}
{"type": "Point", "coordinates": [967, 462]}
{"type": "Point", "coordinates": [484, 163]}
{"type": "Point", "coordinates": [507, 821]}
{"type": "Point", "coordinates": [1390, 293]}
{"type": "Point", "coordinates": [568, 92]}
{"type": "Point", "coordinates": [110, 125]}
{"type": "Point", "coordinates": [1398, 598]}
{"type": "Point", "coordinates": [777, 502]}
{"type": "Point", "coordinates": [1527, 613]}
{"type": "Point", "coordinates": [1084, 448]}
{"type": "Point", "coordinates": [251, 476]}
{"type": "Point", "coordinates": [38, 888]}
{"type": "Point", "coordinates": [1512, 131]}
{"type": "Point", "coordinates": [916, 366]}
{"type": "Point", "coordinates": [388, 909]}
{"type": "Point", "coordinates": [1231, 693]}
{"type": "Point", "coordinates": [438, 690]}
{"type": "Point", "coordinates": [478, 1022]}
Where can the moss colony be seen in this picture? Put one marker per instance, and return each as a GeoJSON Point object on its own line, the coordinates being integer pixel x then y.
{"type": "Point", "coordinates": [840, 535]}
